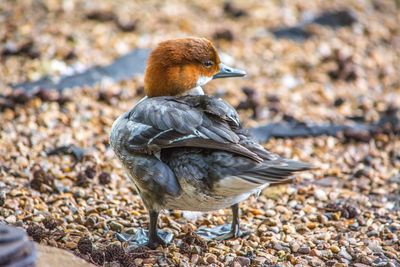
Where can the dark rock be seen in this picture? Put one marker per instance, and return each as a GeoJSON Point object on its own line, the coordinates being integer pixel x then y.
{"type": "Point", "coordinates": [296, 33]}
{"type": "Point", "coordinates": [346, 69]}
{"type": "Point", "coordinates": [26, 48]}
{"type": "Point", "coordinates": [40, 178]}
{"type": "Point", "coordinates": [347, 211]}
{"type": "Point", "coordinates": [332, 19]}
{"type": "Point", "coordinates": [77, 152]}
{"type": "Point", "coordinates": [251, 102]}
{"type": "Point", "coordinates": [90, 172]}
{"type": "Point", "coordinates": [104, 178]}
{"type": "Point", "coordinates": [82, 180]}
{"type": "Point", "coordinates": [100, 15]}
{"type": "Point", "coordinates": [338, 102]}
{"type": "Point", "coordinates": [19, 96]}
{"type": "Point", "coordinates": [122, 68]}
{"type": "Point", "coordinates": [224, 34]}
{"type": "Point", "coordinates": [339, 18]}
{"type": "Point", "coordinates": [231, 10]}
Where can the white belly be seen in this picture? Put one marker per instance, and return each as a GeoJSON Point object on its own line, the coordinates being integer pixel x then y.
{"type": "Point", "coordinates": [193, 199]}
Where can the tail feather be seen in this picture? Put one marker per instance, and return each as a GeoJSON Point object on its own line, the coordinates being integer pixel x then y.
{"type": "Point", "coordinates": [275, 171]}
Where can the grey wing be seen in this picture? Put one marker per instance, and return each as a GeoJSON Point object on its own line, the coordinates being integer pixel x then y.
{"type": "Point", "coordinates": [191, 121]}
{"type": "Point", "coordinates": [147, 171]}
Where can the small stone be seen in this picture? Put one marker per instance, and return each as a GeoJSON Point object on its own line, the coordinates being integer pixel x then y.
{"type": "Point", "coordinates": [104, 178]}
{"type": "Point", "coordinates": [115, 226]}
{"type": "Point", "coordinates": [151, 261]}
{"type": "Point", "coordinates": [335, 249]}
{"type": "Point", "coordinates": [320, 195]}
{"type": "Point", "coordinates": [295, 247]}
{"type": "Point", "coordinates": [70, 245]}
{"type": "Point", "coordinates": [270, 213]}
{"type": "Point", "coordinates": [11, 219]}
{"type": "Point", "coordinates": [243, 261]}
{"type": "Point", "coordinates": [22, 162]}
{"type": "Point", "coordinates": [259, 260]}
{"type": "Point", "coordinates": [304, 250]}
{"type": "Point", "coordinates": [194, 259]}
{"type": "Point", "coordinates": [311, 225]}
{"type": "Point", "coordinates": [90, 172]}
{"type": "Point", "coordinates": [138, 262]}
{"type": "Point", "coordinates": [344, 254]}
{"type": "Point", "coordinates": [211, 259]}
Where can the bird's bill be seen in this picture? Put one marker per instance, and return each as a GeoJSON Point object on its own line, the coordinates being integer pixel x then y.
{"type": "Point", "coordinates": [227, 72]}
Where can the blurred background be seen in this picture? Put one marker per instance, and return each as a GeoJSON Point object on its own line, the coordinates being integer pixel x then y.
{"type": "Point", "coordinates": [307, 61]}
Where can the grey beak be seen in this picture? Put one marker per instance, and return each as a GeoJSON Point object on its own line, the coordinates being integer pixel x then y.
{"type": "Point", "coordinates": [226, 72]}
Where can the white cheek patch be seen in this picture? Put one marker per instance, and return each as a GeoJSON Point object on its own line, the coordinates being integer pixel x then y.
{"type": "Point", "coordinates": [203, 80]}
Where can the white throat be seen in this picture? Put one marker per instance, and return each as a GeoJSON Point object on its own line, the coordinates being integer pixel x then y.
{"type": "Point", "coordinates": [195, 91]}
{"type": "Point", "coordinates": [203, 80]}
{"type": "Point", "coordinates": [200, 82]}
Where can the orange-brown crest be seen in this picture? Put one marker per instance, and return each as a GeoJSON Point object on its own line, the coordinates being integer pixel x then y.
{"type": "Point", "coordinates": [175, 66]}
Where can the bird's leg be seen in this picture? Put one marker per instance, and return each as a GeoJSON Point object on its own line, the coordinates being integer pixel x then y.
{"type": "Point", "coordinates": [154, 239]}
{"type": "Point", "coordinates": [225, 231]}
{"type": "Point", "coordinates": [235, 230]}
{"type": "Point", "coordinates": [151, 238]}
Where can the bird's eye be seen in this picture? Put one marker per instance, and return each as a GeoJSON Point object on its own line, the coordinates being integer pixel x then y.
{"type": "Point", "coordinates": [208, 63]}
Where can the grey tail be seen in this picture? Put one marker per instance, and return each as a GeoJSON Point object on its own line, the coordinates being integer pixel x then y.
{"type": "Point", "coordinates": [274, 171]}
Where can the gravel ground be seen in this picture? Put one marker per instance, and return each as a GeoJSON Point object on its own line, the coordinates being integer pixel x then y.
{"type": "Point", "coordinates": [345, 213]}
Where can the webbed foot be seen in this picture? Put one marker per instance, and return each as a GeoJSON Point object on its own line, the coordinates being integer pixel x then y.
{"type": "Point", "coordinates": [221, 232]}
{"type": "Point", "coordinates": [141, 238]}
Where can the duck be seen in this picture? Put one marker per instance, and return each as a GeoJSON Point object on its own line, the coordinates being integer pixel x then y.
{"type": "Point", "coordinates": [186, 150]}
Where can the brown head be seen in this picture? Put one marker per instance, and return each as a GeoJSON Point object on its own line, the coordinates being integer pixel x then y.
{"type": "Point", "coordinates": [177, 66]}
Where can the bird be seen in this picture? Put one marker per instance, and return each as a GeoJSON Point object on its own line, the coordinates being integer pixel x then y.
{"type": "Point", "coordinates": [186, 150]}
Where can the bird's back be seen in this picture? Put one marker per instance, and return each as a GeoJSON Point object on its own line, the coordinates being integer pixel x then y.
{"type": "Point", "coordinates": [201, 146]}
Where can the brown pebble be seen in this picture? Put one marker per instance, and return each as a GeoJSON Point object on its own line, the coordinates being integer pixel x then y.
{"type": "Point", "coordinates": [104, 178]}
{"type": "Point", "coordinates": [90, 172]}
{"type": "Point", "coordinates": [233, 11]}
{"type": "Point", "coordinates": [223, 34]}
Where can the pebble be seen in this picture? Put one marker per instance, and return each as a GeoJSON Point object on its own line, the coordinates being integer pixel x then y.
{"type": "Point", "coordinates": [259, 260]}
{"type": "Point", "coordinates": [270, 213]}
{"type": "Point", "coordinates": [11, 219]}
{"type": "Point", "coordinates": [243, 261]}
{"type": "Point", "coordinates": [343, 253]}
{"type": "Point", "coordinates": [335, 249]}
{"type": "Point", "coordinates": [70, 245]}
{"type": "Point", "coordinates": [211, 258]}
{"type": "Point", "coordinates": [294, 247]}
{"type": "Point", "coordinates": [116, 226]}
{"type": "Point", "coordinates": [320, 195]}
{"type": "Point", "coordinates": [304, 250]}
